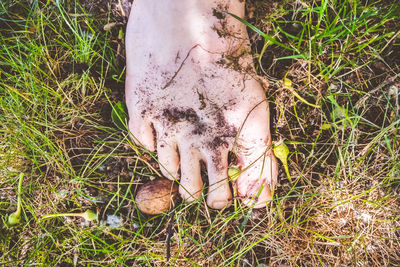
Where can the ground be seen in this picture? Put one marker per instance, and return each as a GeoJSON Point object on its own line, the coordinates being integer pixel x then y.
{"type": "Point", "coordinates": [62, 69]}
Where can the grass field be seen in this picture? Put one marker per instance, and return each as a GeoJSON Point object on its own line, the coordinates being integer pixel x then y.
{"type": "Point", "coordinates": [334, 89]}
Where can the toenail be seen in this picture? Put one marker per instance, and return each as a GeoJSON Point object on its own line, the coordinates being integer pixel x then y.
{"type": "Point", "coordinates": [219, 204]}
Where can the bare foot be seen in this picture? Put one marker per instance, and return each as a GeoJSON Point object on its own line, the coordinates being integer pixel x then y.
{"type": "Point", "coordinates": [192, 94]}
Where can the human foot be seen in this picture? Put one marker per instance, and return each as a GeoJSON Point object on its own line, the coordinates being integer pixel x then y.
{"type": "Point", "coordinates": [192, 94]}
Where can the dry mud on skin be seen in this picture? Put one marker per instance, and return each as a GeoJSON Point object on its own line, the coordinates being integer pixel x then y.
{"type": "Point", "coordinates": [193, 92]}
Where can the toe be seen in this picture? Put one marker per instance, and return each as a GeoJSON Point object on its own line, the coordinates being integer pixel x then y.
{"type": "Point", "coordinates": [258, 163]}
{"type": "Point", "coordinates": [257, 182]}
{"type": "Point", "coordinates": [191, 184]}
{"type": "Point", "coordinates": [168, 158]}
{"type": "Point", "coordinates": [142, 132]}
{"type": "Point", "coordinates": [219, 193]}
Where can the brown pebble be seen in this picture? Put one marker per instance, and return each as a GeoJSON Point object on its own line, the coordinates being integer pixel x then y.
{"type": "Point", "coordinates": [157, 196]}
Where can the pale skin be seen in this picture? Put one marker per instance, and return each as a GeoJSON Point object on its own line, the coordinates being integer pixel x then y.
{"type": "Point", "coordinates": [193, 96]}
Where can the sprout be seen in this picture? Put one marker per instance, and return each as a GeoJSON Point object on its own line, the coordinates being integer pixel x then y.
{"type": "Point", "coordinates": [287, 83]}
{"type": "Point", "coordinates": [233, 173]}
{"type": "Point", "coordinates": [326, 126]}
{"type": "Point", "coordinates": [281, 151]}
{"type": "Point", "coordinates": [15, 217]}
{"type": "Point", "coordinates": [87, 215]}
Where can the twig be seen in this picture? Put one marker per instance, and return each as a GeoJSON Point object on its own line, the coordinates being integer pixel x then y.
{"type": "Point", "coordinates": [179, 69]}
{"type": "Point", "coordinates": [169, 234]}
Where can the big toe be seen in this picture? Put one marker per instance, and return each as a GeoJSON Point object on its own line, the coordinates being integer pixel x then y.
{"type": "Point", "coordinates": [254, 153]}
{"type": "Point", "coordinates": [257, 182]}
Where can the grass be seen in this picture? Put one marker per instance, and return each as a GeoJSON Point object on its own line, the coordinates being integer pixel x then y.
{"type": "Point", "coordinates": [60, 71]}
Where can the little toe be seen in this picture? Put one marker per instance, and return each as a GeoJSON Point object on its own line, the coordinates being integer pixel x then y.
{"type": "Point", "coordinates": [219, 193]}
{"type": "Point", "coordinates": [168, 158]}
{"type": "Point", "coordinates": [191, 184]}
{"type": "Point", "coordinates": [142, 132]}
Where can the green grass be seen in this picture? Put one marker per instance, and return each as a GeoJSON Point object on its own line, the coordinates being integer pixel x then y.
{"type": "Point", "coordinates": [59, 72]}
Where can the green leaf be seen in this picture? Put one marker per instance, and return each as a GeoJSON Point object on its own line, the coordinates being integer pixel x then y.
{"type": "Point", "coordinates": [119, 116]}
{"type": "Point", "coordinates": [267, 37]}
